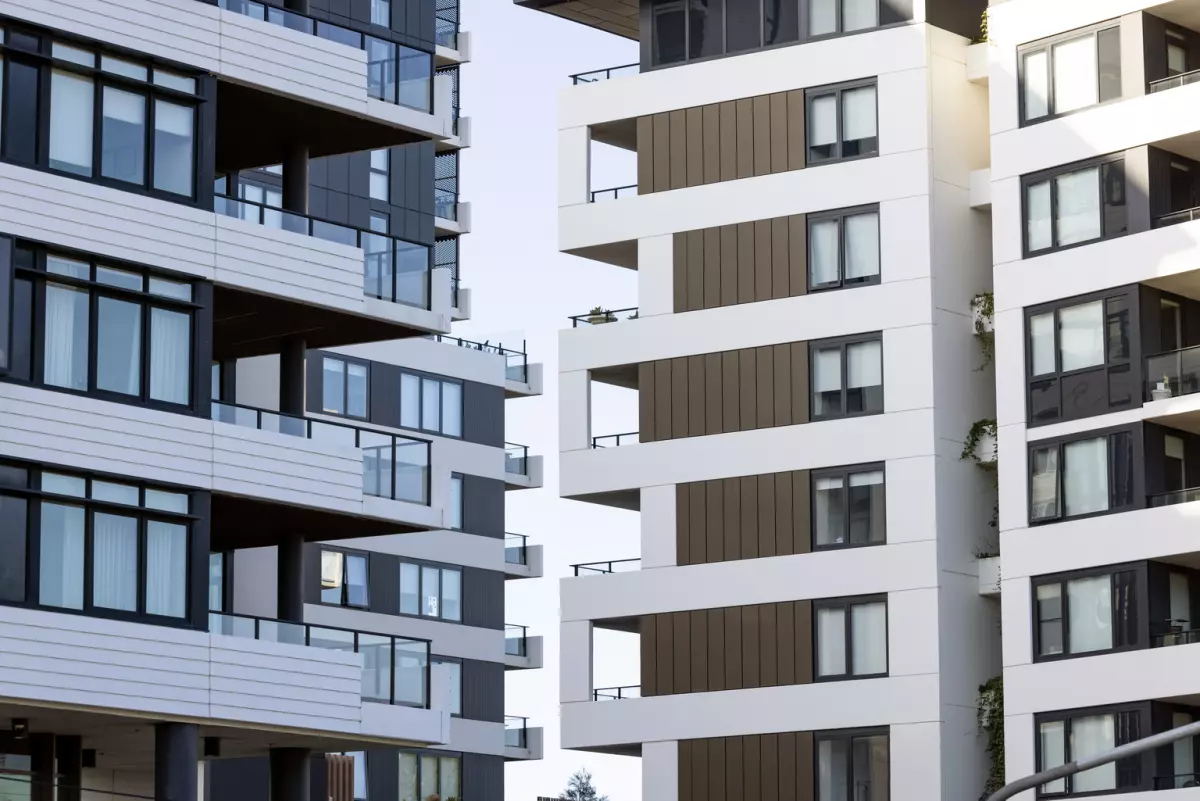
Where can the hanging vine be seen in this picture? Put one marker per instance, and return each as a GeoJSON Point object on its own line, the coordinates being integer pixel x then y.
{"type": "Point", "coordinates": [983, 29]}
{"type": "Point", "coordinates": [984, 307]}
{"type": "Point", "coordinates": [989, 714]}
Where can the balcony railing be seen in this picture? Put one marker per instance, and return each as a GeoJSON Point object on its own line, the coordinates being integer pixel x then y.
{"type": "Point", "coordinates": [604, 316]}
{"type": "Point", "coordinates": [1176, 782]}
{"type": "Point", "coordinates": [596, 76]}
{"type": "Point", "coordinates": [1172, 498]}
{"type": "Point", "coordinates": [393, 269]}
{"type": "Point", "coordinates": [1183, 79]}
{"type": "Point", "coordinates": [16, 785]}
{"type": "Point", "coordinates": [515, 735]}
{"type": "Point", "coordinates": [604, 568]}
{"type": "Point", "coordinates": [395, 669]}
{"type": "Point", "coordinates": [1176, 217]}
{"type": "Point", "coordinates": [445, 204]}
{"type": "Point", "coordinates": [615, 440]}
{"type": "Point", "coordinates": [1174, 632]}
{"type": "Point", "coordinates": [395, 73]}
{"type": "Point", "coordinates": [516, 362]}
{"type": "Point", "coordinates": [514, 639]}
{"type": "Point", "coordinates": [617, 693]}
{"type": "Point", "coordinates": [1173, 373]}
{"type": "Point", "coordinates": [615, 193]}
{"type": "Point", "coordinates": [514, 549]}
{"type": "Point", "coordinates": [394, 467]}
{"type": "Point", "coordinates": [516, 459]}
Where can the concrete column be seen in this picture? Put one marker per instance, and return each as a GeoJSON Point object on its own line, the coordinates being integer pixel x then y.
{"type": "Point", "coordinates": [660, 770]}
{"type": "Point", "coordinates": [176, 761]}
{"type": "Point", "coordinates": [574, 166]}
{"type": "Point", "coordinates": [227, 392]}
{"type": "Point", "coordinates": [291, 579]}
{"type": "Point", "coordinates": [69, 751]}
{"type": "Point", "coordinates": [291, 376]}
{"type": "Point", "coordinates": [574, 411]}
{"type": "Point", "coordinates": [658, 526]}
{"type": "Point", "coordinates": [41, 753]}
{"type": "Point", "coordinates": [656, 275]}
{"type": "Point", "coordinates": [575, 661]}
{"type": "Point", "coordinates": [289, 774]}
{"type": "Point", "coordinates": [295, 161]}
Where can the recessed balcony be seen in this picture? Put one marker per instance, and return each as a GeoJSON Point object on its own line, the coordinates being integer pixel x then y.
{"type": "Point", "coordinates": [521, 741]}
{"type": "Point", "coordinates": [521, 651]}
{"type": "Point", "coordinates": [521, 471]}
{"type": "Point", "coordinates": [521, 560]}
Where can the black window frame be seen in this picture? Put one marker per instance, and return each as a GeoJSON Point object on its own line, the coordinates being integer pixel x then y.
{"type": "Point", "coordinates": [441, 567]}
{"type": "Point", "coordinates": [42, 58]}
{"type": "Point", "coordinates": [1136, 498]}
{"type": "Point", "coordinates": [1132, 765]}
{"type": "Point", "coordinates": [842, 343]}
{"type": "Point", "coordinates": [845, 473]}
{"type": "Point", "coordinates": [451, 660]}
{"type": "Point", "coordinates": [1047, 45]}
{"type": "Point", "coordinates": [227, 567]}
{"type": "Point", "coordinates": [849, 735]}
{"type": "Point", "coordinates": [347, 554]}
{"type": "Point", "coordinates": [840, 215]}
{"type": "Point", "coordinates": [1105, 162]}
{"type": "Point", "coordinates": [346, 362]}
{"type": "Point", "coordinates": [30, 265]}
{"type": "Point", "coordinates": [846, 604]}
{"type": "Point", "coordinates": [838, 89]}
{"type": "Point", "coordinates": [441, 380]}
{"type": "Point", "coordinates": [1136, 587]}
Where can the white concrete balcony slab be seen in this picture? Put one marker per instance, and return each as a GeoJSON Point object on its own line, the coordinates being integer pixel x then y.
{"type": "Point", "coordinates": [522, 651]}
{"type": "Point", "coordinates": [456, 50]}
{"type": "Point", "coordinates": [989, 576]}
{"type": "Point", "coordinates": [521, 560]}
{"type": "Point", "coordinates": [457, 224]}
{"type": "Point", "coordinates": [524, 383]}
{"type": "Point", "coordinates": [522, 742]}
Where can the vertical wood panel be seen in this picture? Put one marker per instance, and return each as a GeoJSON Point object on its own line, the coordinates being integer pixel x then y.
{"type": "Point", "coordinates": [751, 647]}
{"type": "Point", "coordinates": [769, 745]}
{"type": "Point", "coordinates": [696, 396]}
{"type": "Point", "coordinates": [699, 644]}
{"type": "Point", "coordinates": [730, 392]}
{"type": "Point", "coordinates": [784, 527]}
{"type": "Point", "coordinates": [732, 489]}
{"type": "Point", "coordinates": [747, 384]}
{"type": "Point", "coordinates": [762, 260]}
{"type": "Point", "coordinates": [698, 537]}
{"type": "Point", "coordinates": [734, 767]}
{"type": "Point", "coordinates": [717, 770]}
{"type": "Point", "coordinates": [733, 648]}
{"type": "Point", "coordinates": [649, 635]}
{"type": "Point", "coordinates": [700, 769]}
{"type": "Point", "coordinates": [749, 528]}
{"type": "Point", "coordinates": [729, 140]}
{"type": "Point", "coordinates": [695, 270]}
{"type": "Point", "coordinates": [729, 265]}
{"type": "Point", "coordinates": [768, 660]}
{"type": "Point", "coordinates": [779, 132]}
{"type": "Point", "coordinates": [804, 642]}
{"type": "Point", "coordinates": [679, 404]}
{"type": "Point", "coordinates": [797, 255]}
{"type": "Point", "coordinates": [762, 134]}
{"type": "Point", "coordinates": [752, 767]}
{"type": "Point", "coordinates": [712, 268]}
{"type": "Point", "coordinates": [766, 516]}
{"type": "Point", "coordinates": [646, 402]}
{"type": "Point", "coordinates": [805, 779]}
{"type": "Point", "coordinates": [687, 767]}
{"type": "Point", "coordinates": [713, 393]}
{"type": "Point", "coordinates": [780, 259]}
{"type": "Point", "coordinates": [679, 265]}
{"type": "Point", "coordinates": [785, 642]}
{"type": "Point", "coordinates": [801, 512]}
{"type": "Point", "coordinates": [681, 627]}
{"type": "Point", "coordinates": [716, 649]}
{"type": "Point", "coordinates": [795, 129]}
{"type": "Point", "coordinates": [665, 658]}
{"type": "Point", "coordinates": [662, 152]}
{"type": "Point", "coordinates": [714, 520]}
{"type": "Point", "coordinates": [678, 125]}
{"type": "Point", "coordinates": [683, 524]}
{"type": "Point", "coordinates": [745, 137]}
{"type": "Point", "coordinates": [645, 155]}
{"type": "Point", "coordinates": [712, 143]}
{"type": "Point", "coordinates": [800, 399]}
{"type": "Point", "coordinates": [765, 391]}
{"type": "Point", "coordinates": [787, 767]}
{"type": "Point", "coordinates": [695, 146]}
{"type": "Point", "coordinates": [782, 355]}
{"type": "Point", "coordinates": [662, 399]}
{"type": "Point", "coordinates": [745, 263]}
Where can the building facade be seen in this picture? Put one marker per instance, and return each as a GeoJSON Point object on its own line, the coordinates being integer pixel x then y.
{"type": "Point", "coordinates": [228, 273]}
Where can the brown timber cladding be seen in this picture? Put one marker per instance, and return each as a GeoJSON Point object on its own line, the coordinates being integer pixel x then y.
{"type": "Point", "coordinates": [718, 393]}
{"type": "Point", "coordinates": [736, 648]}
{"type": "Point", "coordinates": [744, 263]}
{"type": "Point", "coordinates": [753, 767]}
{"type": "Point", "coordinates": [721, 142]}
{"type": "Point", "coordinates": [747, 517]}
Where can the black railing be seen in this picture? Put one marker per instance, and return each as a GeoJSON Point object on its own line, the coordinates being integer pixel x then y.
{"type": "Point", "coordinates": [516, 459]}
{"type": "Point", "coordinates": [515, 734]}
{"type": "Point", "coordinates": [1183, 79]}
{"type": "Point", "coordinates": [516, 362]}
{"type": "Point", "coordinates": [596, 76]}
{"type": "Point", "coordinates": [1174, 632]}
{"type": "Point", "coordinates": [1178, 781]}
{"type": "Point", "coordinates": [604, 568]}
{"type": "Point", "coordinates": [615, 193]}
{"type": "Point", "coordinates": [445, 204]}
{"type": "Point", "coordinates": [1172, 498]}
{"type": "Point", "coordinates": [1173, 373]}
{"type": "Point", "coordinates": [395, 669]}
{"type": "Point", "coordinates": [393, 269]}
{"type": "Point", "coordinates": [394, 467]}
{"type": "Point", "coordinates": [1175, 218]}
{"type": "Point", "coordinates": [514, 549]}
{"type": "Point", "coordinates": [410, 86]}
{"type": "Point", "coordinates": [602, 316]}
{"type": "Point", "coordinates": [615, 440]}
{"type": "Point", "coordinates": [515, 639]}
{"type": "Point", "coordinates": [17, 785]}
{"type": "Point", "coordinates": [617, 693]}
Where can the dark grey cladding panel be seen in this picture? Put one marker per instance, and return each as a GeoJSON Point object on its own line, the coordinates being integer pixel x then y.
{"type": "Point", "coordinates": [483, 506]}
{"type": "Point", "coordinates": [483, 690]}
{"type": "Point", "coordinates": [483, 598]}
{"type": "Point", "coordinates": [483, 414]}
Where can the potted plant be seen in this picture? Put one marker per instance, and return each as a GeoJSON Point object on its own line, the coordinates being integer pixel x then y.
{"type": "Point", "coordinates": [599, 315]}
{"type": "Point", "coordinates": [1163, 390]}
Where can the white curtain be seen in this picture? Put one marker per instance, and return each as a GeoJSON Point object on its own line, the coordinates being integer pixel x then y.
{"type": "Point", "coordinates": [331, 576]}
{"type": "Point", "coordinates": [1081, 335]}
{"type": "Point", "coordinates": [71, 101]}
{"type": "Point", "coordinates": [833, 770]}
{"type": "Point", "coordinates": [1037, 85]}
{"type": "Point", "coordinates": [66, 356]}
{"type": "Point", "coordinates": [410, 401]}
{"type": "Point", "coordinates": [822, 17]}
{"type": "Point", "coordinates": [451, 595]}
{"type": "Point", "coordinates": [831, 642]}
{"type": "Point", "coordinates": [174, 148]}
{"type": "Point", "coordinates": [166, 569]}
{"type": "Point", "coordinates": [356, 395]}
{"type": "Point", "coordinates": [1078, 195]}
{"type": "Point", "coordinates": [357, 588]}
{"type": "Point", "coordinates": [1091, 735]}
{"type": "Point", "coordinates": [1052, 744]}
{"type": "Point", "coordinates": [170, 356]}
{"type": "Point", "coordinates": [114, 562]}
{"type": "Point", "coordinates": [1043, 497]}
{"type": "Point", "coordinates": [829, 516]}
{"type": "Point", "coordinates": [864, 364]}
{"type": "Point", "coordinates": [862, 245]}
{"type": "Point", "coordinates": [410, 588]}
{"type": "Point", "coordinates": [456, 502]}
{"type": "Point", "coordinates": [61, 556]}
{"type": "Point", "coordinates": [1085, 476]}
{"type": "Point", "coordinates": [858, 113]}
{"type": "Point", "coordinates": [430, 592]}
{"type": "Point", "coordinates": [452, 409]}
{"type": "Point", "coordinates": [333, 386]}
{"type": "Point", "coordinates": [1075, 83]}
{"type": "Point", "coordinates": [823, 252]}
{"type": "Point", "coordinates": [822, 121]}
{"type": "Point", "coordinates": [431, 404]}
{"type": "Point", "coordinates": [868, 633]}
{"type": "Point", "coordinates": [827, 371]}
{"type": "Point", "coordinates": [1037, 211]}
{"type": "Point", "coordinates": [360, 774]}
{"type": "Point", "coordinates": [859, 14]}
{"type": "Point", "coordinates": [867, 485]}
{"type": "Point", "coordinates": [1041, 343]}
{"type": "Point", "coordinates": [1089, 614]}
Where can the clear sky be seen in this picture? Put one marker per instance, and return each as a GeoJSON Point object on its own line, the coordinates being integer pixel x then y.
{"type": "Point", "coordinates": [520, 282]}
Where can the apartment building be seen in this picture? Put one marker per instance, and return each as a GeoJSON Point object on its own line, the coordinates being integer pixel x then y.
{"type": "Point", "coordinates": [228, 273]}
{"type": "Point", "coordinates": [807, 372]}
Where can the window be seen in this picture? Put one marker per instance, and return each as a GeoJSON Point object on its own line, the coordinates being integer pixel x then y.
{"type": "Point", "coordinates": [842, 123]}
{"type": "Point", "coordinates": [453, 669]}
{"type": "Point", "coordinates": [1070, 72]}
{"type": "Point", "coordinates": [380, 171]}
{"type": "Point", "coordinates": [1083, 614]}
{"type": "Point", "coordinates": [344, 387]}
{"type": "Point", "coordinates": [1177, 53]}
{"type": "Point", "coordinates": [841, 16]}
{"type": "Point", "coordinates": [425, 775]}
{"type": "Point", "coordinates": [399, 74]}
{"type": "Point", "coordinates": [431, 404]}
{"type": "Point", "coordinates": [344, 579]}
{"type": "Point", "coordinates": [122, 333]}
{"type": "Point", "coordinates": [1063, 738]}
{"type": "Point", "coordinates": [430, 591]}
{"type": "Point", "coordinates": [1079, 205]}
{"type": "Point", "coordinates": [848, 507]}
{"type": "Point", "coordinates": [853, 766]}
{"type": "Point", "coordinates": [851, 638]}
{"type": "Point", "coordinates": [847, 376]}
{"type": "Point", "coordinates": [456, 501]}
{"type": "Point", "coordinates": [381, 13]}
{"type": "Point", "coordinates": [843, 249]}
{"type": "Point", "coordinates": [1081, 477]}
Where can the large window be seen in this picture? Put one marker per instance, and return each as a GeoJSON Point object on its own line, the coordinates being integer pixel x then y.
{"type": "Point", "coordinates": [1085, 613]}
{"type": "Point", "coordinates": [399, 74]}
{"type": "Point", "coordinates": [843, 248]}
{"type": "Point", "coordinates": [841, 16]}
{"type": "Point", "coordinates": [431, 591]}
{"type": "Point", "coordinates": [1084, 476]}
{"type": "Point", "coordinates": [848, 507]}
{"type": "Point", "coordinates": [431, 404]}
{"type": "Point", "coordinates": [853, 766]}
{"type": "Point", "coordinates": [107, 547]}
{"type": "Point", "coordinates": [1067, 737]}
{"type": "Point", "coordinates": [851, 638]}
{"type": "Point", "coordinates": [380, 175]}
{"type": "Point", "coordinates": [1082, 203]}
{"type": "Point", "coordinates": [344, 387]}
{"type": "Point", "coordinates": [381, 13]}
{"type": "Point", "coordinates": [842, 122]}
{"type": "Point", "coordinates": [345, 579]}
{"type": "Point", "coordinates": [117, 332]}
{"type": "Point", "coordinates": [429, 775]}
{"type": "Point", "coordinates": [847, 376]}
{"type": "Point", "coordinates": [1070, 72]}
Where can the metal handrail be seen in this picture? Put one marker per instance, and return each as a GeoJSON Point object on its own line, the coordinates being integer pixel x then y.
{"type": "Point", "coordinates": [596, 76]}
{"type": "Point", "coordinates": [617, 192]}
{"type": "Point", "coordinates": [517, 640]}
{"type": "Point", "coordinates": [62, 791]}
{"type": "Point", "coordinates": [602, 317]}
{"type": "Point", "coordinates": [601, 441]}
{"type": "Point", "coordinates": [1171, 638]}
{"type": "Point", "coordinates": [1172, 782]}
{"type": "Point", "coordinates": [515, 734]}
{"type": "Point", "coordinates": [1172, 498]}
{"type": "Point", "coordinates": [1174, 81]}
{"type": "Point", "coordinates": [293, 633]}
{"type": "Point", "coordinates": [516, 362]}
{"type": "Point", "coordinates": [617, 693]}
{"type": "Point", "coordinates": [516, 459]}
{"type": "Point", "coordinates": [1175, 217]}
{"type": "Point", "coordinates": [518, 551]}
{"type": "Point", "coordinates": [603, 568]}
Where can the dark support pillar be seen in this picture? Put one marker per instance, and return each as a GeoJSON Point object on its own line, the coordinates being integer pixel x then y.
{"type": "Point", "coordinates": [70, 766]}
{"type": "Point", "coordinates": [291, 376]}
{"type": "Point", "coordinates": [295, 173]}
{"type": "Point", "coordinates": [228, 389]}
{"type": "Point", "coordinates": [41, 754]}
{"type": "Point", "coordinates": [289, 774]}
{"type": "Point", "coordinates": [291, 578]}
{"type": "Point", "coordinates": [176, 762]}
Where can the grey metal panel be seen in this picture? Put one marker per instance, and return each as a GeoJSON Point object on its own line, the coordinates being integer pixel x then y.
{"type": "Point", "coordinates": [385, 394]}
{"type": "Point", "coordinates": [358, 174]}
{"type": "Point", "coordinates": [339, 207]}
{"type": "Point", "coordinates": [312, 573]}
{"type": "Point", "coordinates": [383, 775]}
{"type": "Point", "coordinates": [483, 506]}
{"type": "Point", "coordinates": [385, 583]}
{"type": "Point", "coordinates": [483, 414]}
{"type": "Point", "coordinates": [483, 777]}
{"type": "Point", "coordinates": [483, 690]}
{"type": "Point", "coordinates": [338, 168]}
{"type": "Point", "coordinates": [313, 380]}
{"type": "Point", "coordinates": [483, 598]}
{"type": "Point", "coordinates": [318, 173]}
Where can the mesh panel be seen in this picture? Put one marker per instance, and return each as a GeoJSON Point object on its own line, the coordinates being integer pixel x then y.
{"type": "Point", "coordinates": [447, 10]}
{"type": "Point", "coordinates": [445, 254]}
{"type": "Point", "coordinates": [445, 171]}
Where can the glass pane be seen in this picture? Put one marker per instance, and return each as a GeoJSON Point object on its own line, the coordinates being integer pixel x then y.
{"type": "Point", "coordinates": [166, 569]}
{"type": "Point", "coordinates": [416, 79]}
{"type": "Point", "coordinates": [216, 582]}
{"type": "Point", "coordinates": [332, 572]}
{"type": "Point", "coordinates": [1089, 609]}
{"type": "Point", "coordinates": [829, 510]}
{"type": "Point", "coordinates": [381, 14]}
{"type": "Point", "coordinates": [410, 401]}
{"type": "Point", "coordinates": [174, 147]}
{"type": "Point", "coordinates": [868, 632]}
{"type": "Point", "coordinates": [333, 386]}
{"type": "Point", "coordinates": [1037, 85]}
{"type": "Point", "coordinates": [65, 362]}
{"type": "Point", "coordinates": [1053, 752]}
{"type": "Point", "coordinates": [1049, 617]}
{"type": "Point", "coordinates": [831, 641]}
{"type": "Point", "coordinates": [1108, 57]}
{"type": "Point", "coordinates": [669, 35]}
{"type": "Point", "coordinates": [378, 273]}
{"type": "Point", "coordinates": [360, 774]}
{"type": "Point", "coordinates": [14, 545]}
{"type": "Point", "coordinates": [1037, 212]}
{"type": "Point", "coordinates": [1043, 497]}
{"type": "Point", "coordinates": [1091, 735]}
{"type": "Point", "coordinates": [121, 67]}
{"type": "Point", "coordinates": [73, 54]}
{"type": "Point", "coordinates": [822, 127]}
{"type": "Point", "coordinates": [1075, 74]}
{"type": "Point", "coordinates": [858, 121]}
{"type": "Point", "coordinates": [410, 588]}
{"type": "Point", "coordinates": [408, 777]}
{"type": "Point", "coordinates": [114, 562]}
{"type": "Point", "coordinates": [827, 382]}
{"type": "Point", "coordinates": [430, 591]}
{"type": "Point", "coordinates": [171, 80]}
{"type": "Point", "coordinates": [823, 246]}
{"type": "Point", "coordinates": [866, 508]}
{"type": "Point", "coordinates": [412, 471]}
{"type": "Point", "coordinates": [167, 501]}
{"type": "Point", "coordinates": [170, 356]}
{"type": "Point", "coordinates": [381, 69]}
{"type": "Point", "coordinates": [170, 289]}
{"type": "Point", "coordinates": [452, 409]}
{"type": "Point", "coordinates": [822, 17]}
{"type": "Point", "coordinates": [71, 99]}
{"type": "Point", "coordinates": [123, 136]}
{"type": "Point", "coordinates": [115, 493]}
{"type": "Point", "coordinates": [456, 502]}
{"type": "Point", "coordinates": [357, 588]}
{"type": "Point", "coordinates": [833, 770]}
{"type": "Point", "coordinates": [64, 485]}
{"type": "Point", "coordinates": [1041, 343]}
{"type": "Point", "coordinates": [706, 27]}
{"type": "Point", "coordinates": [1085, 476]}
{"type": "Point", "coordinates": [60, 573]}
{"type": "Point", "coordinates": [356, 399]}
{"type": "Point", "coordinates": [1081, 335]}
{"type": "Point", "coordinates": [120, 278]}
{"type": "Point", "coordinates": [859, 14]}
{"type": "Point", "coordinates": [862, 246]}
{"type": "Point", "coordinates": [875, 774]}
{"type": "Point", "coordinates": [376, 652]}
{"type": "Point", "coordinates": [864, 377]}
{"type": "Point", "coordinates": [412, 274]}
{"type": "Point", "coordinates": [61, 265]}
{"type": "Point", "coordinates": [412, 670]}
{"type": "Point", "coordinates": [431, 404]}
{"type": "Point", "coordinates": [448, 778]}
{"type": "Point", "coordinates": [119, 346]}
{"type": "Point", "coordinates": [1078, 213]}
{"type": "Point", "coordinates": [429, 777]}
{"type": "Point", "coordinates": [379, 186]}
{"type": "Point", "coordinates": [451, 595]}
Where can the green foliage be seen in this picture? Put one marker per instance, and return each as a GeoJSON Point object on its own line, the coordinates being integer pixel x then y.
{"type": "Point", "coordinates": [989, 714]}
{"type": "Point", "coordinates": [983, 29]}
{"type": "Point", "coordinates": [979, 429]}
{"type": "Point", "coordinates": [985, 304]}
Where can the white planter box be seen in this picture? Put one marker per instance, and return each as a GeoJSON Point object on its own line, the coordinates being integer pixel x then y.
{"type": "Point", "coordinates": [989, 575]}
{"type": "Point", "coordinates": [977, 63]}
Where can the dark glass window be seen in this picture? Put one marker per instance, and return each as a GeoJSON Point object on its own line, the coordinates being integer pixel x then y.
{"type": "Point", "coordinates": [842, 122]}
{"type": "Point", "coordinates": [706, 28]}
{"type": "Point", "coordinates": [344, 387]}
{"type": "Point", "coordinates": [847, 376]}
{"type": "Point", "coordinates": [19, 133]}
{"type": "Point", "coordinates": [843, 248]}
{"type": "Point", "coordinates": [781, 21]}
{"type": "Point", "coordinates": [431, 591]}
{"type": "Point", "coordinates": [1083, 476]}
{"type": "Point", "coordinates": [1069, 72]}
{"type": "Point", "coordinates": [743, 25]}
{"type": "Point", "coordinates": [851, 637]}
{"type": "Point", "coordinates": [14, 544]}
{"type": "Point", "coordinates": [849, 507]}
{"type": "Point", "coordinates": [345, 579]}
{"type": "Point", "coordinates": [1085, 613]}
{"type": "Point", "coordinates": [1067, 737]}
{"type": "Point", "coordinates": [853, 766]}
{"type": "Point", "coordinates": [431, 404]}
{"type": "Point", "coordinates": [1075, 205]}
{"type": "Point", "coordinates": [669, 21]}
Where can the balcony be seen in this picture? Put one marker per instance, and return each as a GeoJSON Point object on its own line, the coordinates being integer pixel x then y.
{"type": "Point", "coordinates": [521, 742]}
{"type": "Point", "coordinates": [521, 652]}
{"type": "Point", "coordinates": [521, 560]}
{"type": "Point", "coordinates": [521, 470]}
{"type": "Point", "coordinates": [617, 693]}
{"type": "Point", "coordinates": [601, 316]}
{"type": "Point", "coordinates": [615, 440]}
{"type": "Point", "coordinates": [596, 76]}
{"type": "Point", "coordinates": [606, 568]}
